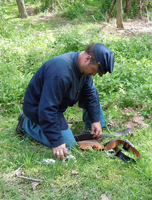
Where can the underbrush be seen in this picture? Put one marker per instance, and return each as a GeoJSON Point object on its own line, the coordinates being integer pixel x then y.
{"type": "Point", "coordinates": [25, 49]}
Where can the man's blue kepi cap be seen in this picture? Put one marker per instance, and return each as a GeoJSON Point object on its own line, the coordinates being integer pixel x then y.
{"type": "Point", "coordinates": [105, 59]}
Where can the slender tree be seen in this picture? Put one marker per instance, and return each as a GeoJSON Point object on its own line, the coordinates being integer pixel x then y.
{"type": "Point", "coordinates": [21, 8]}
{"type": "Point", "coordinates": [110, 11]}
{"type": "Point", "coordinates": [128, 6]}
{"type": "Point", "coordinates": [119, 14]}
{"type": "Point", "coordinates": [141, 6]}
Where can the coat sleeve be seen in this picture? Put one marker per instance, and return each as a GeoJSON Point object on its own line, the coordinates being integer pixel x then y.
{"type": "Point", "coordinates": [90, 98]}
{"type": "Point", "coordinates": [54, 88]}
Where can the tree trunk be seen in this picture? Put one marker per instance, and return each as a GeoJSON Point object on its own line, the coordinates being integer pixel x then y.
{"type": "Point", "coordinates": [111, 10]}
{"type": "Point", "coordinates": [119, 14]}
{"type": "Point", "coordinates": [128, 6]}
{"type": "Point", "coordinates": [21, 8]}
{"type": "Point", "coordinates": [59, 4]}
{"type": "Point", "coordinates": [141, 3]}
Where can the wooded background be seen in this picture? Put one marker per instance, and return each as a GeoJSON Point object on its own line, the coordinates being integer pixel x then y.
{"type": "Point", "coordinates": [107, 8]}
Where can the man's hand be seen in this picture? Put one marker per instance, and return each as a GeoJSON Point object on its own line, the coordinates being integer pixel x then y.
{"type": "Point", "coordinates": [60, 151]}
{"type": "Point", "coordinates": [96, 129]}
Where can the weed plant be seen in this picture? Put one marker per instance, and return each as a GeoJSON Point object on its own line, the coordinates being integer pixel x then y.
{"type": "Point", "coordinates": [25, 45]}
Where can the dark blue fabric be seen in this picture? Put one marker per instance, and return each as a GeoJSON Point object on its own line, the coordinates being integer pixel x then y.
{"type": "Point", "coordinates": [57, 84]}
{"type": "Point", "coordinates": [87, 121]}
{"type": "Point", "coordinates": [105, 57]}
{"type": "Point", "coordinates": [35, 131]}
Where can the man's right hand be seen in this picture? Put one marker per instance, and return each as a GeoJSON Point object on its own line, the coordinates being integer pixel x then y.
{"type": "Point", "coordinates": [60, 151]}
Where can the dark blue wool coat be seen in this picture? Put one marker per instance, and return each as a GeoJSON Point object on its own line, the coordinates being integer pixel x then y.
{"type": "Point", "coordinates": [57, 84]}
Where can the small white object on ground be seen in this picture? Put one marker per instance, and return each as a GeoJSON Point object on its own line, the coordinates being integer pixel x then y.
{"type": "Point", "coordinates": [49, 160]}
{"type": "Point", "coordinates": [70, 156]}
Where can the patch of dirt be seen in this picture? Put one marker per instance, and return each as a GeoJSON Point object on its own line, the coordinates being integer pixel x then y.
{"type": "Point", "coordinates": [133, 119]}
{"type": "Point", "coordinates": [131, 27]}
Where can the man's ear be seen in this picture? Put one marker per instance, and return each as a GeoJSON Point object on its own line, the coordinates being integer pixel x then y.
{"type": "Point", "coordinates": [88, 58]}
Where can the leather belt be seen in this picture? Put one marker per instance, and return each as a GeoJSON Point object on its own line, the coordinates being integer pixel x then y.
{"type": "Point", "coordinates": [86, 141]}
{"type": "Point", "coordinates": [88, 136]}
{"type": "Point", "coordinates": [127, 145]}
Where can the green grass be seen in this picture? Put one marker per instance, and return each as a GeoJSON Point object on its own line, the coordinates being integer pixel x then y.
{"type": "Point", "coordinates": [97, 173]}
{"type": "Point", "coordinates": [25, 45]}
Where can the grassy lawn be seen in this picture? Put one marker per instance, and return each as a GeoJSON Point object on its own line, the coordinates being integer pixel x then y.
{"type": "Point", "coordinates": [25, 45]}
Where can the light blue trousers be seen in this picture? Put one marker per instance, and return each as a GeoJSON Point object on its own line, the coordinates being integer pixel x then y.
{"type": "Point", "coordinates": [35, 131]}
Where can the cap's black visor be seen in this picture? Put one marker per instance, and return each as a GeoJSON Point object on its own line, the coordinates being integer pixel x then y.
{"type": "Point", "coordinates": [100, 70]}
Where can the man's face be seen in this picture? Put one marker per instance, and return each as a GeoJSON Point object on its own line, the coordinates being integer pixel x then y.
{"type": "Point", "coordinates": [91, 69]}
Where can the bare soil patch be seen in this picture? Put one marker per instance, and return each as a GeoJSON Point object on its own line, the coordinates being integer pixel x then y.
{"type": "Point", "coordinates": [131, 27]}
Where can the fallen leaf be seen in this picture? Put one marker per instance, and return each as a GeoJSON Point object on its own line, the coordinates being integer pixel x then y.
{"type": "Point", "coordinates": [130, 124]}
{"type": "Point", "coordinates": [34, 185]}
{"type": "Point", "coordinates": [150, 116]}
{"type": "Point", "coordinates": [112, 123]}
{"type": "Point", "coordinates": [138, 119]}
{"type": "Point", "coordinates": [20, 173]}
{"type": "Point", "coordinates": [131, 109]}
{"type": "Point", "coordinates": [143, 125]}
{"type": "Point", "coordinates": [104, 196]}
{"type": "Point", "coordinates": [86, 194]}
{"type": "Point", "coordinates": [74, 172]}
{"type": "Point", "coordinates": [128, 111]}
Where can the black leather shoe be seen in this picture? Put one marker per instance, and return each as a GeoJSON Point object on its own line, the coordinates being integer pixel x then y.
{"type": "Point", "coordinates": [20, 122]}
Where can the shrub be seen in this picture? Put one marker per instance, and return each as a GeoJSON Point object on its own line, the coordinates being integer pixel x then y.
{"type": "Point", "coordinates": [74, 10]}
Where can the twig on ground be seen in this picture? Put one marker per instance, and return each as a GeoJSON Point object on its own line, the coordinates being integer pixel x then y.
{"type": "Point", "coordinates": [31, 179]}
{"type": "Point", "coordinates": [15, 172]}
{"type": "Point", "coordinates": [94, 18]}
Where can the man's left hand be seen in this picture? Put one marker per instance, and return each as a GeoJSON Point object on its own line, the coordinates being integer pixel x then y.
{"type": "Point", "coordinates": [96, 129]}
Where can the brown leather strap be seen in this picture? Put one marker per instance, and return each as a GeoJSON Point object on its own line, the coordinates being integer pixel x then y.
{"type": "Point", "coordinates": [86, 142]}
{"type": "Point", "coordinates": [113, 143]}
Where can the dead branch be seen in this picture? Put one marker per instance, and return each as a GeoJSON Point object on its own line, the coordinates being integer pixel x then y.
{"type": "Point", "coordinates": [31, 179]}
{"type": "Point", "coordinates": [15, 172]}
{"type": "Point", "coordinates": [59, 4]}
{"type": "Point", "coordinates": [94, 18]}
